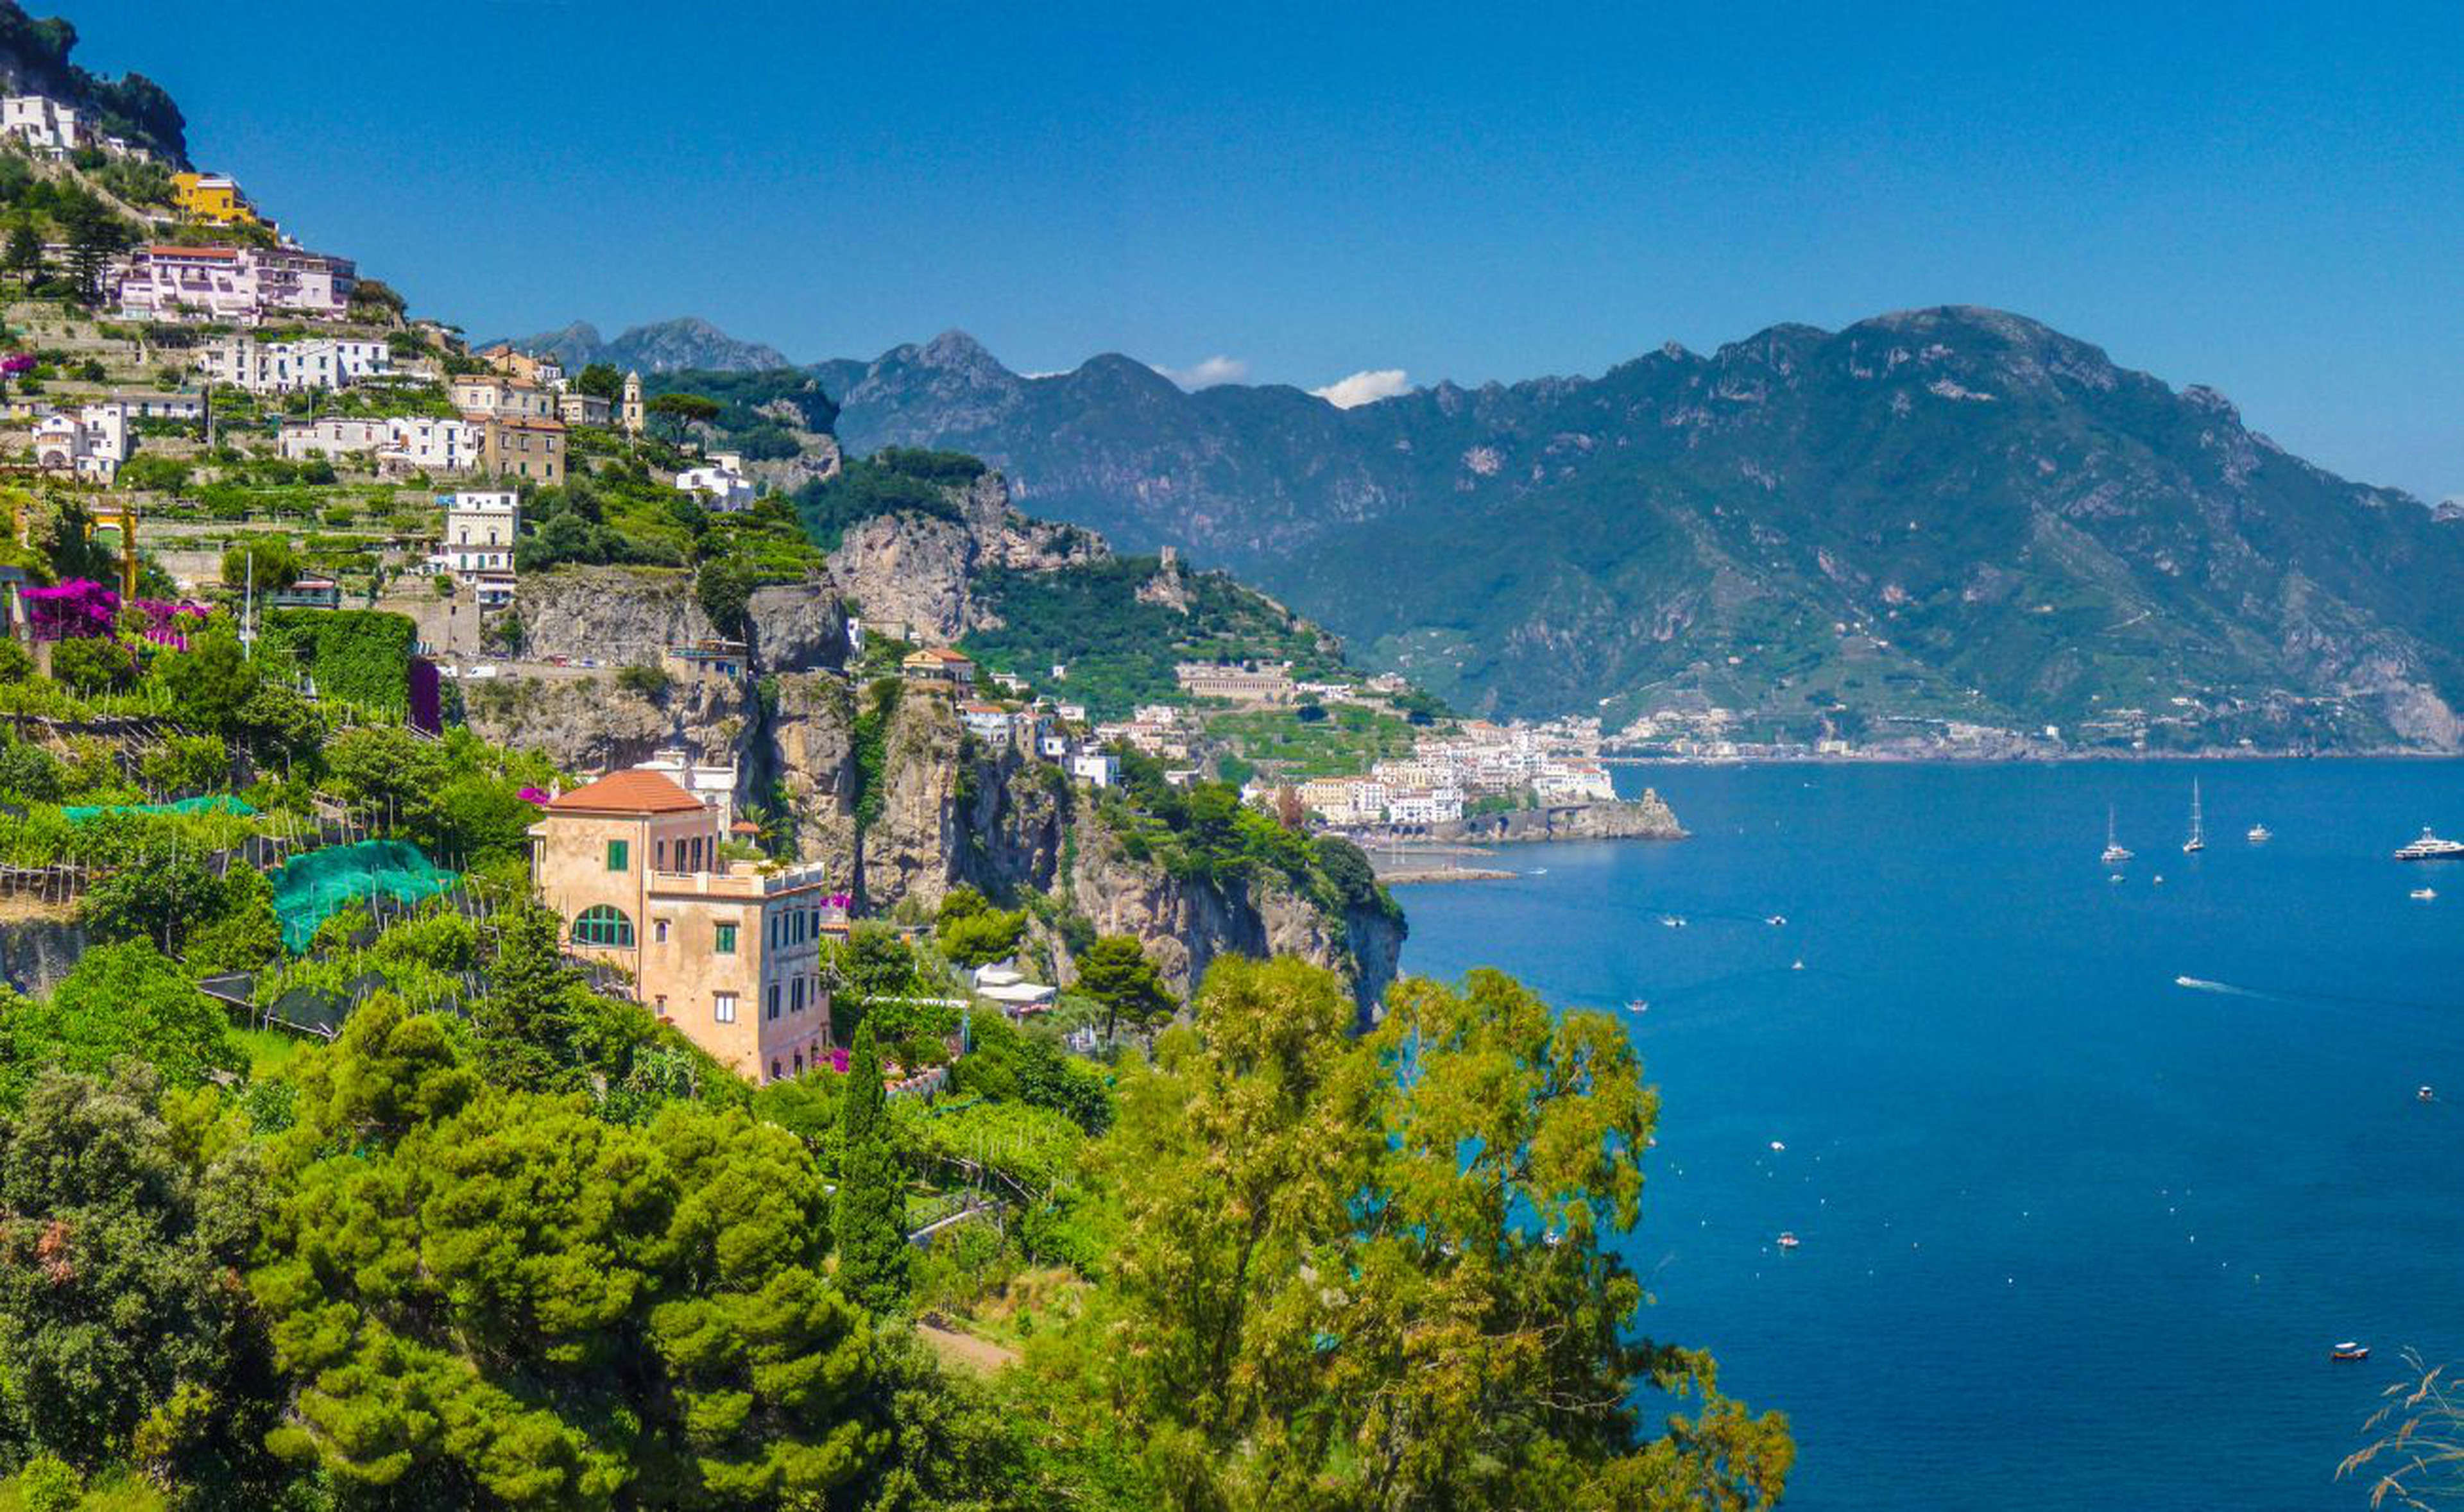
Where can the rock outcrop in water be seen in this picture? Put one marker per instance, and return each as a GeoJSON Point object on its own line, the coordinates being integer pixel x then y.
{"type": "Point", "coordinates": [1646, 818]}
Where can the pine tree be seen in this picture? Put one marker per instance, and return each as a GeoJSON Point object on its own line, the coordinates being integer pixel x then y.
{"type": "Point", "coordinates": [872, 1247]}
{"type": "Point", "coordinates": [526, 1022]}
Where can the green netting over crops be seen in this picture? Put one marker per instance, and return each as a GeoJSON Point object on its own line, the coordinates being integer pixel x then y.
{"type": "Point", "coordinates": [314, 887]}
{"type": "Point", "coordinates": [211, 803]}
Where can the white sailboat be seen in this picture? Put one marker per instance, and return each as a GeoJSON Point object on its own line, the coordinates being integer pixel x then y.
{"type": "Point", "coordinates": [2114, 854]}
{"type": "Point", "coordinates": [2198, 840]}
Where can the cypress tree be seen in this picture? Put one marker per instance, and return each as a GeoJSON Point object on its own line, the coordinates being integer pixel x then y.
{"type": "Point", "coordinates": [526, 1024]}
{"type": "Point", "coordinates": [872, 1245]}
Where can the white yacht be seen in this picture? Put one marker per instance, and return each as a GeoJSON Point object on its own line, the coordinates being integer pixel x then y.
{"type": "Point", "coordinates": [2260, 834]}
{"type": "Point", "coordinates": [2198, 840]}
{"type": "Point", "coordinates": [2429, 847]}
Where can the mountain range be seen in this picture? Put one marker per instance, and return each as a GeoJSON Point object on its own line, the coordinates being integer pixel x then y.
{"type": "Point", "coordinates": [1938, 517]}
{"type": "Point", "coordinates": [1950, 514]}
{"type": "Point", "coordinates": [664, 346]}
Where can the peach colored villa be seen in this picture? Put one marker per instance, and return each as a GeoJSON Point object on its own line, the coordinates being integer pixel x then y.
{"type": "Point", "coordinates": [729, 953]}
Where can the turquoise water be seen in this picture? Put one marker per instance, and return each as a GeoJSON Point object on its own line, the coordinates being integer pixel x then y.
{"type": "Point", "coordinates": [2074, 1235]}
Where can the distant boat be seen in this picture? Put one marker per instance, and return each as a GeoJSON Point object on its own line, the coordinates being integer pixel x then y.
{"type": "Point", "coordinates": [2425, 1093]}
{"type": "Point", "coordinates": [1776, 920]}
{"type": "Point", "coordinates": [1797, 967]}
{"type": "Point", "coordinates": [1673, 921]}
{"type": "Point", "coordinates": [2114, 854]}
{"type": "Point", "coordinates": [2260, 834]}
{"type": "Point", "coordinates": [2198, 840]}
{"type": "Point", "coordinates": [1537, 871]}
{"type": "Point", "coordinates": [2424, 894]}
{"type": "Point", "coordinates": [1789, 1241]}
{"type": "Point", "coordinates": [2349, 1350]}
{"type": "Point", "coordinates": [1637, 1005]}
{"type": "Point", "coordinates": [2429, 847]}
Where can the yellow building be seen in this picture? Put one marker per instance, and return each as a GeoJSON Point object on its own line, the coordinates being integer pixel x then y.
{"type": "Point", "coordinates": [729, 953]}
{"type": "Point", "coordinates": [213, 198]}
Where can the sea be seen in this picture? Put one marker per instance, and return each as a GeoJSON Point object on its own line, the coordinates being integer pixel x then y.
{"type": "Point", "coordinates": [2090, 1165]}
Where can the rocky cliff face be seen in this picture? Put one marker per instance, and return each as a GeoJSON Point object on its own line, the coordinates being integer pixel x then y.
{"type": "Point", "coordinates": [615, 616]}
{"type": "Point", "coordinates": [1646, 818]}
{"type": "Point", "coordinates": [589, 722]}
{"type": "Point", "coordinates": [912, 574]}
{"type": "Point", "coordinates": [38, 947]}
{"type": "Point", "coordinates": [1187, 924]}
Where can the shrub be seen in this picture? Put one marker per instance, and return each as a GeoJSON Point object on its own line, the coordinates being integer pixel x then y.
{"type": "Point", "coordinates": [47, 1484]}
{"type": "Point", "coordinates": [91, 666]}
{"type": "Point", "coordinates": [642, 679]}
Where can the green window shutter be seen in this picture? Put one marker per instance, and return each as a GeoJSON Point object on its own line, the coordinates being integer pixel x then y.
{"type": "Point", "coordinates": [726, 939]}
{"type": "Point", "coordinates": [619, 855]}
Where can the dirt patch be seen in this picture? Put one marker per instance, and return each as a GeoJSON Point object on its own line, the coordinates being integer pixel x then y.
{"type": "Point", "coordinates": [964, 1352]}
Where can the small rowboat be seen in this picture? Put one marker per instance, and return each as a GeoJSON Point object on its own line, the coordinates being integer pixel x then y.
{"type": "Point", "coordinates": [2349, 1350]}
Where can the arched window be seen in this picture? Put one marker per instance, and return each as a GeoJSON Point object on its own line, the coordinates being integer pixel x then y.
{"type": "Point", "coordinates": [602, 926]}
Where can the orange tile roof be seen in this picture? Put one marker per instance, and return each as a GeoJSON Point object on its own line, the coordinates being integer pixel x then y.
{"type": "Point", "coordinates": [160, 251]}
{"type": "Point", "coordinates": [627, 792]}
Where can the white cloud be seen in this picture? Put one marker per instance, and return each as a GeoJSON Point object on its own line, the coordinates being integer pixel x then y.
{"type": "Point", "coordinates": [1365, 388]}
{"type": "Point", "coordinates": [1214, 370]}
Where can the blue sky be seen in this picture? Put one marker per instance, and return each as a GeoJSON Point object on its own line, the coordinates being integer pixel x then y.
{"type": "Point", "coordinates": [2265, 198]}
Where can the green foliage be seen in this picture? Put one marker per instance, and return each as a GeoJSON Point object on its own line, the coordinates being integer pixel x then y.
{"type": "Point", "coordinates": [872, 749]}
{"type": "Point", "coordinates": [1010, 1065]}
{"type": "Point", "coordinates": [47, 1484]}
{"type": "Point", "coordinates": [872, 1249]}
{"type": "Point", "coordinates": [892, 482]}
{"type": "Point", "coordinates": [741, 420]}
{"type": "Point", "coordinates": [643, 680]}
{"type": "Point", "coordinates": [92, 666]}
{"type": "Point", "coordinates": [972, 932]}
{"type": "Point", "coordinates": [526, 1023]}
{"type": "Point", "coordinates": [1121, 650]}
{"type": "Point", "coordinates": [276, 564]}
{"type": "Point", "coordinates": [724, 589]}
{"type": "Point", "coordinates": [603, 1315]}
{"type": "Point", "coordinates": [601, 381]}
{"type": "Point", "coordinates": [362, 656]}
{"type": "Point", "coordinates": [1461, 1171]}
{"type": "Point", "coordinates": [119, 1001]}
{"type": "Point", "coordinates": [1117, 973]}
{"type": "Point", "coordinates": [121, 1334]}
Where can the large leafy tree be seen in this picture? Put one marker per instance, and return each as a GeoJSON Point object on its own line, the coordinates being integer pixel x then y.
{"type": "Point", "coordinates": [1375, 1274]}
{"type": "Point", "coordinates": [124, 1333]}
{"type": "Point", "coordinates": [493, 1299]}
{"type": "Point", "coordinates": [871, 1194]}
{"type": "Point", "coordinates": [121, 1002]}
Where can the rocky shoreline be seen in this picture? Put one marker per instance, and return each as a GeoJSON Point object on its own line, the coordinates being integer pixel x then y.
{"type": "Point", "coordinates": [1645, 817]}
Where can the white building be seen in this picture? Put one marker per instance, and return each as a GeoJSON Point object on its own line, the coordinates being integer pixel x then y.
{"type": "Point", "coordinates": [42, 124]}
{"type": "Point", "coordinates": [480, 529]}
{"type": "Point", "coordinates": [302, 439]}
{"type": "Point", "coordinates": [719, 483]}
{"type": "Point", "coordinates": [713, 783]}
{"type": "Point", "coordinates": [288, 367]}
{"type": "Point", "coordinates": [92, 443]}
{"type": "Point", "coordinates": [1101, 768]}
{"type": "Point", "coordinates": [1438, 806]}
{"type": "Point", "coordinates": [403, 443]}
{"type": "Point", "coordinates": [241, 285]}
{"type": "Point", "coordinates": [426, 444]}
{"type": "Point", "coordinates": [986, 722]}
